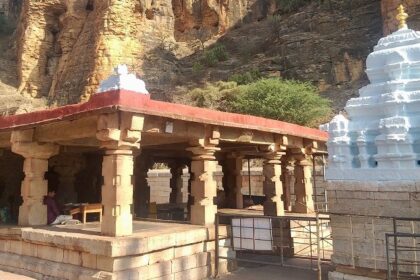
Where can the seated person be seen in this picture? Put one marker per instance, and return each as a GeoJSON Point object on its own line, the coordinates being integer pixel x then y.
{"type": "Point", "coordinates": [53, 213]}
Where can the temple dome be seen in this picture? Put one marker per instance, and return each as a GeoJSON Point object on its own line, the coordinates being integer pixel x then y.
{"type": "Point", "coordinates": [380, 140]}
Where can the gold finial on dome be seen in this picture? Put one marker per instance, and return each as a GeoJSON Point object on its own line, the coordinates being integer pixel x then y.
{"type": "Point", "coordinates": [402, 17]}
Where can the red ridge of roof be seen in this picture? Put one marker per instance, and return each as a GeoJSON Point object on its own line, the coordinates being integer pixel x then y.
{"type": "Point", "coordinates": [134, 101]}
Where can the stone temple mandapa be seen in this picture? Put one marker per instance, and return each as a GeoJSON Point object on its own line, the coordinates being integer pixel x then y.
{"type": "Point", "coordinates": [101, 150]}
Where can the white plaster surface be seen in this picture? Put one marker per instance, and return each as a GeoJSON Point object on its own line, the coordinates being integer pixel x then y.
{"type": "Point", "coordinates": [252, 234]}
{"type": "Point", "coordinates": [121, 79]}
{"type": "Point", "coordinates": [379, 139]}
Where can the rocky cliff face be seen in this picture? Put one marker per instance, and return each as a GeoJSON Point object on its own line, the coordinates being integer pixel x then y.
{"type": "Point", "coordinates": [62, 49]}
{"type": "Point", "coordinates": [65, 47]}
{"type": "Point", "coordinates": [389, 10]}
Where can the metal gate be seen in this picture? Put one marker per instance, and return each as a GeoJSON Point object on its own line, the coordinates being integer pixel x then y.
{"type": "Point", "coordinates": [279, 240]}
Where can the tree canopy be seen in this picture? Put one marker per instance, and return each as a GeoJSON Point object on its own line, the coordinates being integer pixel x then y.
{"type": "Point", "coordinates": [285, 100]}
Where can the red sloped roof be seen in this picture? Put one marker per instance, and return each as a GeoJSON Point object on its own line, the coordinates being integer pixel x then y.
{"type": "Point", "coordinates": [131, 101]}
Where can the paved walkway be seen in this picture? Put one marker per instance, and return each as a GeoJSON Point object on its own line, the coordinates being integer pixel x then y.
{"type": "Point", "coordinates": [10, 276]}
{"type": "Point", "coordinates": [272, 273]}
{"type": "Point", "coordinates": [252, 271]}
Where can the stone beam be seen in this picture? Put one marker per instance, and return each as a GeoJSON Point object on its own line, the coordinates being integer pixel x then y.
{"type": "Point", "coordinates": [67, 130]}
{"type": "Point", "coordinates": [34, 187]}
{"type": "Point", "coordinates": [228, 134]}
{"type": "Point", "coordinates": [163, 126]}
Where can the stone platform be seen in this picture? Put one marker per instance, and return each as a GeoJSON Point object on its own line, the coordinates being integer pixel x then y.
{"type": "Point", "coordinates": [155, 251]}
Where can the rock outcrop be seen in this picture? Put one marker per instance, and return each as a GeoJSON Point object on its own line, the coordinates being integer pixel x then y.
{"type": "Point", "coordinates": [389, 10]}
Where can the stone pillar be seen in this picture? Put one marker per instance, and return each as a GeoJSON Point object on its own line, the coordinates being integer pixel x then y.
{"type": "Point", "coordinates": [232, 180]}
{"type": "Point", "coordinates": [34, 187]}
{"type": "Point", "coordinates": [67, 176]}
{"type": "Point", "coordinates": [203, 183]}
{"type": "Point", "coordinates": [285, 178]}
{"type": "Point", "coordinates": [176, 182]}
{"type": "Point", "coordinates": [303, 185]}
{"type": "Point", "coordinates": [119, 134]}
{"type": "Point", "coordinates": [190, 197]}
{"type": "Point", "coordinates": [117, 193]}
{"type": "Point", "coordinates": [272, 185]}
{"type": "Point", "coordinates": [142, 189]}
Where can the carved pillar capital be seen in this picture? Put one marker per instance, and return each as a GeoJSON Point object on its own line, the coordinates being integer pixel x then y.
{"type": "Point", "coordinates": [24, 144]}
{"type": "Point", "coordinates": [120, 131]}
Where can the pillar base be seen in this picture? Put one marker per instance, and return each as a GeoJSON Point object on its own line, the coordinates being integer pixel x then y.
{"type": "Point", "coordinates": [203, 215]}
{"type": "Point", "coordinates": [33, 215]}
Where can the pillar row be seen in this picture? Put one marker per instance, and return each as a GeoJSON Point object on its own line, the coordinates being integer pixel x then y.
{"type": "Point", "coordinates": [117, 193]}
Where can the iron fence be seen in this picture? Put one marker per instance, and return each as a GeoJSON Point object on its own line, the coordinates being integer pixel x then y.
{"type": "Point", "coordinates": [403, 249]}
{"type": "Point", "coordinates": [275, 240]}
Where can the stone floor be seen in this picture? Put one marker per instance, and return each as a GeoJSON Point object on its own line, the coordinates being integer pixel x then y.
{"type": "Point", "coordinates": [138, 227]}
{"type": "Point", "coordinates": [10, 276]}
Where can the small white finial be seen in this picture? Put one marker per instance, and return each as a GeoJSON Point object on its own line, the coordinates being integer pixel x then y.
{"type": "Point", "coordinates": [121, 79]}
{"type": "Point", "coordinates": [121, 69]}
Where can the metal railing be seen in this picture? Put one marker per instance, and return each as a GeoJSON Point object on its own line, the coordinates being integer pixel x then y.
{"type": "Point", "coordinates": [275, 240]}
{"type": "Point", "coordinates": [403, 249]}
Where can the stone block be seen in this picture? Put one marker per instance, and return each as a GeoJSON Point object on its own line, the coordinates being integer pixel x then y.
{"type": "Point", "coordinates": [132, 246]}
{"type": "Point", "coordinates": [15, 247]}
{"type": "Point", "coordinates": [205, 258]}
{"type": "Point", "coordinates": [29, 249]}
{"type": "Point", "coordinates": [160, 269]}
{"type": "Point", "coordinates": [191, 236]}
{"type": "Point", "coordinates": [194, 273]}
{"type": "Point", "coordinates": [160, 241]}
{"type": "Point", "coordinates": [161, 256]}
{"type": "Point", "coordinates": [392, 196]}
{"type": "Point", "coordinates": [189, 250]}
{"type": "Point", "coordinates": [72, 257]}
{"type": "Point", "coordinates": [89, 260]}
{"type": "Point", "coordinates": [4, 245]}
{"type": "Point", "coordinates": [50, 253]}
{"type": "Point", "coordinates": [184, 263]}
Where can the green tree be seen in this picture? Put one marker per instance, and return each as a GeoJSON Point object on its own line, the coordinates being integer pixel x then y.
{"type": "Point", "coordinates": [247, 77]}
{"type": "Point", "coordinates": [284, 100]}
